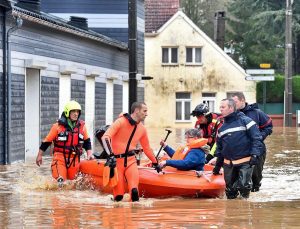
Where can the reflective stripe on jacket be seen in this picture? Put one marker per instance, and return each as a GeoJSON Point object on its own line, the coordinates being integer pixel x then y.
{"type": "Point", "coordinates": [238, 137]}
{"type": "Point", "coordinates": [67, 140]}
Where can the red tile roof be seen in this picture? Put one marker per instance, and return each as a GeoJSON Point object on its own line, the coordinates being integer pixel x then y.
{"type": "Point", "coordinates": [158, 12]}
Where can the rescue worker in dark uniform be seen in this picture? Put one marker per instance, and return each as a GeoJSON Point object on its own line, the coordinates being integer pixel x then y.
{"type": "Point", "coordinates": [238, 148]}
{"type": "Point", "coordinates": [208, 123]}
{"type": "Point", "coordinates": [265, 126]}
{"type": "Point", "coordinates": [69, 136]}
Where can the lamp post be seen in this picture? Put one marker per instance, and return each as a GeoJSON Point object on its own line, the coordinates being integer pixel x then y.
{"type": "Point", "coordinates": [288, 113]}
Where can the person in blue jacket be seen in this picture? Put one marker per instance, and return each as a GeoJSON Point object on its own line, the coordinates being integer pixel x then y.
{"type": "Point", "coordinates": [238, 148]}
{"type": "Point", "coordinates": [188, 157]}
{"type": "Point", "coordinates": [265, 126]}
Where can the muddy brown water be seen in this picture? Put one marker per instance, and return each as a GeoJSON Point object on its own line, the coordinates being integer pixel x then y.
{"type": "Point", "coordinates": [28, 199]}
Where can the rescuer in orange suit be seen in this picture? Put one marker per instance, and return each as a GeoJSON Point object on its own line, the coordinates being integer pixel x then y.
{"type": "Point", "coordinates": [120, 142]}
{"type": "Point", "coordinates": [70, 136]}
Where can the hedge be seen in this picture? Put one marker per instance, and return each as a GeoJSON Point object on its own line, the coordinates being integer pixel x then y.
{"type": "Point", "coordinates": [275, 90]}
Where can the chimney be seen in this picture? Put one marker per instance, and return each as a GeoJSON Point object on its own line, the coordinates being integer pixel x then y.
{"type": "Point", "coordinates": [32, 5]}
{"type": "Point", "coordinates": [219, 28]}
{"type": "Point", "coordinates": [80, 22]}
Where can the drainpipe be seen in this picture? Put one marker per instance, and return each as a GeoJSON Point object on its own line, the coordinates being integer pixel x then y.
{"type": "Point", "coordinates": [4, 83]}
{"type": "Point", "coordinates": [19, 23]}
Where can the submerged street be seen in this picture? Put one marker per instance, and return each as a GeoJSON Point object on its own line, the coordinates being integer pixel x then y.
{"type": "Point", "coordinates": [28, 199]}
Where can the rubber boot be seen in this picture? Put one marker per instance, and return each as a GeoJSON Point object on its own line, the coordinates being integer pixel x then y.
{"type": "Point", "coordinates": [230, 194]}
{"type": "Point", "coordinates": [134, 195]}
{"type": "Point", "coordinates": [118, 198]}
{"type": "Point", "coordinates": [245, 194]}
{"type": "Point", "coordinates": [60, 182]}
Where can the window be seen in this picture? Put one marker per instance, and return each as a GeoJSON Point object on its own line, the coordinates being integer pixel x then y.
{"type": "Point", "coordinates": [170, 55]}
{"type": "Point", "coordinates": [193, 55]}
{"type": "Point", "coordinates": [210, 100]}
{"type": "Point", "coordinates": [183, 106]}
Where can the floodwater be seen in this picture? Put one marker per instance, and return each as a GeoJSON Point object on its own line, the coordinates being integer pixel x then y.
{"type": "Point", "coordinates": [28, 199]}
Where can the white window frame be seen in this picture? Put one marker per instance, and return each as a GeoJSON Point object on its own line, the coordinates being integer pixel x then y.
{"type": "Point", "coordinates": [169, 56]}
{"type": "Point", "coordinates": [193, 56]}
{"type": "Point", "coordinates": [209, 100]}
{"type": "Point", "coordinates": [183, 102]}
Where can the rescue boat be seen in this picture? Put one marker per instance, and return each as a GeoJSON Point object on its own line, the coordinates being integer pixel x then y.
{"type": "Point", "coordinates": [168, 183]}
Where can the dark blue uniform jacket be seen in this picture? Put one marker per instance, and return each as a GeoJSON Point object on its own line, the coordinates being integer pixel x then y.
{"type": "Point", "coordinates": [238, 137]}
{"type": "Point", "coordinates": [263, 121]}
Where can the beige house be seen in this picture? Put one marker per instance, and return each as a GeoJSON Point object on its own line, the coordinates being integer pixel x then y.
{"type": "Point", "coordinates": [188, 68]}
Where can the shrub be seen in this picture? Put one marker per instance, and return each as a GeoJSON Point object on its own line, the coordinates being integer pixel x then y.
{"type": "Point", "coordinates": [275, 90]}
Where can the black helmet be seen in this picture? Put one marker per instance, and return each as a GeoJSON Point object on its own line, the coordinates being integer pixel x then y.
{"type": "Point", "coordinates": [200, 109]}
{"type": "Point", "coordinates": [100, 132]}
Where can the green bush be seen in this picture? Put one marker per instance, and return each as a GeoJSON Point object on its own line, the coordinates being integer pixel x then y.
{"type": "Point", "coordinates": [296, 89]}
{"type": "Point", "coordinates": [275, 90]}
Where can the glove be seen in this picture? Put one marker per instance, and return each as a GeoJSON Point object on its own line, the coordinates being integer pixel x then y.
{"type": "Point", "coordinates": [216, 170]}
{"type": "Point", "coordinates": [156, 167]}
{"type": "Point", "coordinates": [208, 158]}
{"type": "Point", "coordinates": [111, 162]}
{"type": "Point", "coordinates": [253, 160]}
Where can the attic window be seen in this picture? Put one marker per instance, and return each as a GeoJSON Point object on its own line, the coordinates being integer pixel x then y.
{"type": "Point", "coordinates": [170, 55]}
{"type": "Point", "coordinates": [193, 55]}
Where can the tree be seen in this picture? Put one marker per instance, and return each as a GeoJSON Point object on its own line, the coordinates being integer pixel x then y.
{"type": "Point", "coordinates": [201, 12]}
{"type": "Point", "coordinates": [257, 31]}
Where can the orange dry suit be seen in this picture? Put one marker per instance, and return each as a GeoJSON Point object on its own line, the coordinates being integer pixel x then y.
{"type": "Point", "coordinates": [188, 157]}
{"type": "Point", "coordinates": [116, 138]}
{"type": "Point", "coordinates": [68, 144]}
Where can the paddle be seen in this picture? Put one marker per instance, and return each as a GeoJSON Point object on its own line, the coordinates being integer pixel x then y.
{"type": "Point", "coordinates": [168, 133]}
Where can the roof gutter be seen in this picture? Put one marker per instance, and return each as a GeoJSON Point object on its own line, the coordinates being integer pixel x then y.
{"type": "Point", "coordinates": [40, 19]}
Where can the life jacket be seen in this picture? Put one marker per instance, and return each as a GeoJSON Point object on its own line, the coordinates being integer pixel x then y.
{"type": "Point", "coordinates": [69, 141]}
{"type": "Point", "coordinates": [209, 130]}
{"type": "Point", "coordinates": [182, 151]}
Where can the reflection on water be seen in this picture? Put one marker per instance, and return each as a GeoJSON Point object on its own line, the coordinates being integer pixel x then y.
{"type": "Point", "coordinates": [29, 198]}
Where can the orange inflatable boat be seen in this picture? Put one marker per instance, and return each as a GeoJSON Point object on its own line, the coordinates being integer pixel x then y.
{"type": "Point", "coordinates": [166, 184]}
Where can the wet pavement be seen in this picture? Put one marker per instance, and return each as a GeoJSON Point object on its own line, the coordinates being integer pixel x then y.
{"type": "Point", "coordinates": [29, 199]}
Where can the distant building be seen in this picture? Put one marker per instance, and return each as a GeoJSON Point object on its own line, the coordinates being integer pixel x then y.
{"type": "Point", "coordinates": [108, 17]}
{"type": "Point", "coordinates": [188, 68]}
{"type": "Point", "coordinates": [46, 61]}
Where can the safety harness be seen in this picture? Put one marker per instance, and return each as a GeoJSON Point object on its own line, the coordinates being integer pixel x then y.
{"type": "Point", "coordinates": [70, 142]}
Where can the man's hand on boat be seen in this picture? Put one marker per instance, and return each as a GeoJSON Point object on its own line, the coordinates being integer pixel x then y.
{"type": "Point", "coordinates": [162, 164]}
{"type": "Point", "coordinates": [212, 161]}
{"type": "Point", "coordinates": [157, 167]}
{"type": "Point", "coordinates": [217, 170]}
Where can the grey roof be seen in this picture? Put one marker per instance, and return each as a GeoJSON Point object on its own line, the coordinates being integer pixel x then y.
{"type": "Point", "coordinates": [61, 24]}
{"type": "Point", "coordinates": [5, 3]}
